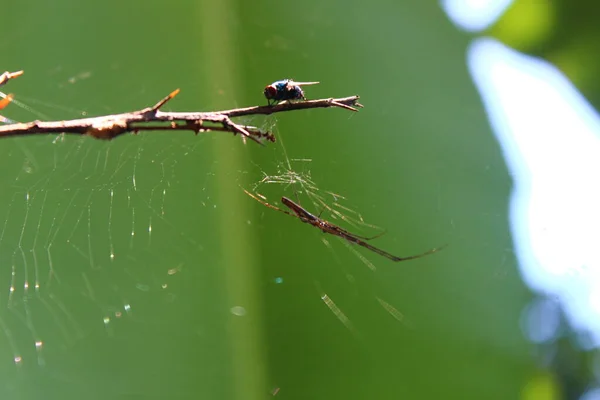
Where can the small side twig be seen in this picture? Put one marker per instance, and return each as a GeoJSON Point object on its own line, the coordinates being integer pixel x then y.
{"type": "Point", "coordinates": [163, 101]}
{"type": "Point", "coordinates": [152, 119]}
{"type": "Point", "coordinates": [6, 76]}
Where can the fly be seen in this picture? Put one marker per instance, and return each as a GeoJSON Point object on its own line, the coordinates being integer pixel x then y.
{"type": "Point", "coordinates": [285, 89]}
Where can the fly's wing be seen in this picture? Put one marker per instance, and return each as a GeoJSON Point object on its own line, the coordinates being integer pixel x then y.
{"type": "Point", "coordinates": [292, 83]}
{"type": "Point", "coordinates": [295, 91]}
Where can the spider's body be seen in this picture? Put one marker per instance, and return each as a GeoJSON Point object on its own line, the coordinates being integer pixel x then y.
{"type": "Point", "coordinates": [327, 227]}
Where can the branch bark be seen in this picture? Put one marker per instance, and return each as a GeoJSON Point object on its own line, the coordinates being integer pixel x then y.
{"type": "Point", "coordinates": [108, 127]}
{"type": "Point", "coordinates": [6, 76]}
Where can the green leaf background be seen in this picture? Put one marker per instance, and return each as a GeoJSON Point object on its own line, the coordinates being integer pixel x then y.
{"type": "Point", "coordinates": [210, 295]}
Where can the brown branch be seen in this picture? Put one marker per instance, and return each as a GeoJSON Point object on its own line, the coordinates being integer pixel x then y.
{"type": "Point", "coordinates": [6, 76]}
{"type": "Point", "coordinates": [110, 126]}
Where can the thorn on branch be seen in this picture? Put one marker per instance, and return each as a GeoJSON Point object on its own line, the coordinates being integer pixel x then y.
{"type": "Point", "coordinates": [228, 123]}
{"type": "Point", "coordinates": [163, 101]}
{"type": "Point", "coordinates": [194, 126]}
{"type": "Point", "coordinates": [6, 76]}
{"type": "Point", "coordinates": [347, 107]}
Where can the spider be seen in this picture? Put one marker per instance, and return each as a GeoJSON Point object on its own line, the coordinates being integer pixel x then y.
{"type": "Point", "coordinates": [327, 227]}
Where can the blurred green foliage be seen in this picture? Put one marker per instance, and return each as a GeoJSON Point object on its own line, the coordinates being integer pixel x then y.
{"type": "Point", "coordinates": [211, 295]}
{"type": "Point", "coordinates": [565, 33]}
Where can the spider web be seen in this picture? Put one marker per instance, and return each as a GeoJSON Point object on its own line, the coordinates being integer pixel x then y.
{"type": "Point", "coordinates": [292, 177]}
{"type": "Point", "coordinates": [90, 230]}
{"type": "Point", "coordinates": [84, 236]}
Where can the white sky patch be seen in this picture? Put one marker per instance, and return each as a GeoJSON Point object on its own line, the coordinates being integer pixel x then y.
{"type": "Point", "coordinates": [474, 15]}
{"type": "Point", "coordinates": [550, 137]}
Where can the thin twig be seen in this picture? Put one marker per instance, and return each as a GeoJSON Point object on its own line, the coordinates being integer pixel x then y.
{"type": "Point", "coordinates": [6, 76]}
{"type": "Point", "coordinates": [151, 118]}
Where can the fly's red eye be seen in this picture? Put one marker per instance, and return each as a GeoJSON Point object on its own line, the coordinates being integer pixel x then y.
{"type": "Point", "coordinates": [270, 92]}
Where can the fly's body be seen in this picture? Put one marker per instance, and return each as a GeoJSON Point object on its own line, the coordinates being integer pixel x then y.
{"type": "Point", "coordinates": [285, 89]}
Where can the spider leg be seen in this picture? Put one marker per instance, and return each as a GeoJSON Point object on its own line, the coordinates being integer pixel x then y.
{"type": "Point", "coordinates": [296, 196]}
{"type": "Point", "coordinates": [322, 210]}
{"type": "Point", "coordinates": [337, 213]}
{"type": "Point", "coordinates": [428, 252]}
{"type": "Point", "coordinates": [264, 203]}
{"type": "Point", "coordinates": [355, 239]}
{"type": "Point", "coordinates": [365, 237]}
{"type": "Point", "coordinates": [350, 234]}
